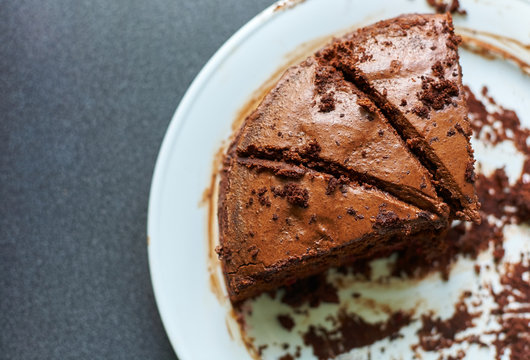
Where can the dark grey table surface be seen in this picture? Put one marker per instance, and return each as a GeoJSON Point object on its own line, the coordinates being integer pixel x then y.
{"type": "Point", "coordinates": [87, 89]}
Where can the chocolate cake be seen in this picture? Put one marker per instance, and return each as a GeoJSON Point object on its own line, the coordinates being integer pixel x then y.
{"type": "Point", "coordinates": [409, 67]}
{"type": "Point", "coordinates": [314, 117]}
{"type": "Point", "coordinates": [353, 151]}
{"type": "Point", "coordinates": [280, 222]}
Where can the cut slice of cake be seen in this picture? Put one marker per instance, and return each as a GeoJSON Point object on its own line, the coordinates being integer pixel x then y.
{"type": "Point", "coordinates": [280, 222]}
{"type": "Point", "coordinates": [409, 67]}
{"type": "Point", "coordinates": [313, 117]}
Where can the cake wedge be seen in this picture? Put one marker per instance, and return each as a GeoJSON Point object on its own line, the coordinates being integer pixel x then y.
{"type": "Point", "coordinates": [280, 222]}
{"type": "Point", "coordinates": [409, 66]}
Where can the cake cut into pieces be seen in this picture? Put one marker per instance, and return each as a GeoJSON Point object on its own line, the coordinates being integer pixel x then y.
{"type": "Point", "coordinates": [409, 67]}
{"type": "Point", "coordinates": [280, 222]}
{"type": "Point", "coordinates": [313, 117]}
{"type": "Point", "coordinates": [360, 150]}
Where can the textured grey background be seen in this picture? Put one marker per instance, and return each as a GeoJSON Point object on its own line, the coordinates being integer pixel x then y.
{"type": "Point", "coordinates": [87, 89]}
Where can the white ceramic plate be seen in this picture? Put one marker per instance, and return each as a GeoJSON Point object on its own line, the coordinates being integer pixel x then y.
{"type": "Point", "coordinates": [194, 318]}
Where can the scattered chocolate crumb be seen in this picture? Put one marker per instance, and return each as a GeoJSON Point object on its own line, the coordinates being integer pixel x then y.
{"type": "Point", "coordinates": [312, 219]}
{"type": "Point", "coordinates": [421, 111]}
{"type": "Point", "coordinates": [223, 253]}
{"type": "Point", "coordinates": [351, 332]}
{"type": "Point", "coordinates": [274, 217]}
{"type": "Point", "coordinates": [327, 102]}
{"type": "Point", "coordinates": [286, 357]}
{"type": "Point", "coordinates": [515, 332]}
{"type": "Point", "coordinates": [313, 290]}
{"type": "Point", "coordinates": [437, 94]}
{"type": "Point", "coordinates": [294, 193]}
{"type": "Point", "coordinates": [510, 129]}
{"type": "Point", "coordinates": [386, 218]}
{"type": "Point", "coordinates": [438, 70]}
{"type": "Point", "coordinates": [436, 334]}
{"type": "Point", "coordinates": [325, 77]}
{"type": "Point", "coordinates": [351, 211]}
{"type": "Point", "coordinates": [333, 183]}
{"type": "Point", "coordinates": [367, 105]}
{"type": "Point", "coordinates": [443, 6]}
{"type": "Point", "coordinates": [476, 267]}
{"type": "Point", "coordinates": [451, 132]}
{"type": "Point", "coordinates": [286, 321]}
{"type": "Point", "coordinates": [470, 172]}
{"type": "Point", "coordinates": [290, 173]}
{"type": "Point", "coordinates": [262, 198]}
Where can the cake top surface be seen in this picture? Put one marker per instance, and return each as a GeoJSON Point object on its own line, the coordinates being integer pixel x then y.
{"type": "Point", "coordinates": [313, 116]}
{"type": "Point", "coordinates": [273, 214]}
{"type": "Point", "coordinates": [409, 64]}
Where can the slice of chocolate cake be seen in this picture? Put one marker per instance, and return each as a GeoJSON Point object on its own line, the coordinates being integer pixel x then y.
{"type": "Point", "coordinates": [346, 157]}
{"type": "Point", "coordinates": [409, 67]}
{"type": "Point", "coordinates": [280, 222]}
{"type": "Point", "coordinates": [314, 117]}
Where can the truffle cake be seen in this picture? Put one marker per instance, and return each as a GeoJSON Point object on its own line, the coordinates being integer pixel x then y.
{"type": "Point", "coordinates": [409, 66]}
{"type": "Point", "coordinates": [314, 117]}
{"type": "Point", "coordinates": [280, 222]}
{"type": "Point", "coordinates": [359, 150]}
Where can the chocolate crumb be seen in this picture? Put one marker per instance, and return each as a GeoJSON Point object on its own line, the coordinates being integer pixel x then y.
{"type": "Point", "coordinates": [351, 211]}
{"type": "Point", "coordinates": [286, 357]}
{"type": "Point", "coordinates": [386, 218]}
{"type": "Point", "coordinates": [470, 172]}
{"type": "Point", "coordinates": [333, 183]}
{"type": "Point", "coordinates": [286, 321]}
{"type": "Point", "coordinates": [313, 290]}
{"type": "Point", "coordinates": [421, 111]}
{"type": "Point", "coordinates": [327, 102]}
{"type": "Point", "coordinates": [294, 193]}
{"type": "Point", "coordinates": [437, 94]}
{"type": "Point", "coordinates": [443, 6]}
{"type": "Point", "coordinates": [367, 105]}
{"type": "Point", "coordinates": [351, 332]}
